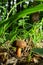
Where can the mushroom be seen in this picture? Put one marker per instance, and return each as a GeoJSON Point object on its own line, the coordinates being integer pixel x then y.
{"type": "Point", "coordinates": [20, 44]}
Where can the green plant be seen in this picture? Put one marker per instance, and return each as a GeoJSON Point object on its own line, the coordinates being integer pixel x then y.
{"type": "Point", "coordinates": [20, 26]}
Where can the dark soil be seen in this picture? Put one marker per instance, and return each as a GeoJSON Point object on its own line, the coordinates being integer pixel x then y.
{"type": "Point", "coordinates": [8, 56]}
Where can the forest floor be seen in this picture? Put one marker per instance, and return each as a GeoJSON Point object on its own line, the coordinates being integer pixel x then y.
{"type": "Point", "coordinates": [8, 57]}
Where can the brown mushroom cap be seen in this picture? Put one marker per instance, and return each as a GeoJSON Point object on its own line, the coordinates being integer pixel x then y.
{"type": "Point", "coordinates": [21, 43]}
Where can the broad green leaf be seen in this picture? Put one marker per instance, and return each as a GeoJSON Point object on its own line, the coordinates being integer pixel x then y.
{"type": "Point", "coordinates": [37, 8]}
{"type": "Point", "coordinates": [38, 0]}
{"type": "Point", "coordinates": [23, 13]}
{"type": "Point", "coordinates": [27, 11]}
{"type": "Point", "coordinates": [38, 51]}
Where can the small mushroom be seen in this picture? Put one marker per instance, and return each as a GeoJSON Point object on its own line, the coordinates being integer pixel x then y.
{"type": "Point", "coordinates": [20, 44]}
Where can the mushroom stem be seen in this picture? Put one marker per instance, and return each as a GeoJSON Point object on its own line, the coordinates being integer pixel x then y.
{"type": "Point", "coordinates": [18, 52]}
